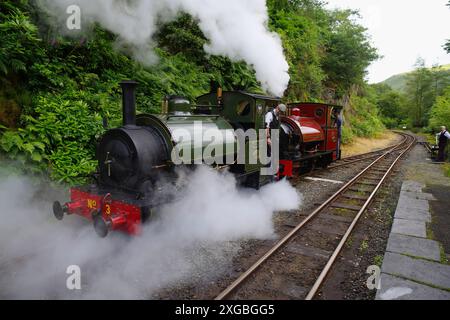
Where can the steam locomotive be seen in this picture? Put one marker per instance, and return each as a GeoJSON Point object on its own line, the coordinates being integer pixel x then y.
{"type": "Point", "coordinates": [134, 159]}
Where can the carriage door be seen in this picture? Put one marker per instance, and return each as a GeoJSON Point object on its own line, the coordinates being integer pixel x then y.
{"type": "Point", "coordinates": [333, 143]}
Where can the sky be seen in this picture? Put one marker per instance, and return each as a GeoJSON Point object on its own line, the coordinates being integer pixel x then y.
{"type": "Point", "coordinates": [403, 30]}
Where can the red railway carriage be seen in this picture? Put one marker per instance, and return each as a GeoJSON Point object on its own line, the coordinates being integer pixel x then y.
{"type": "Point", "coordinates": [311, 134]}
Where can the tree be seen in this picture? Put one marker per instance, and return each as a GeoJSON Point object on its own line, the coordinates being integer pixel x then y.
{"type": "Point", "coordinates": [301, 25]}
{"type": "Point", "coordinates": [440, 79]}
{"type": "Point", "coordinates": [419, 88]}
{"type": "Point", "coordinates": [391, 104]}
{"type": "Point", "coordinates": [440, 112]}
{"type": "Point", "coordinates": [349, 52]}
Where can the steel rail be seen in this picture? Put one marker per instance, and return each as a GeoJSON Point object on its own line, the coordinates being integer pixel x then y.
{"type": "Point", "coordinates": [355, 159]}
{"type": "Point", "coordinates": [293, 232]}
{"type": "Point", "coordinates": [344, 239]}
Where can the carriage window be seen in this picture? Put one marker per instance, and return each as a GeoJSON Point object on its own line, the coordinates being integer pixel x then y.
{"type": "Point", "coordinates": [334, 117]}
{"type": "Point", "coordinates": [243, 108]}
{"type": "Point", "coordinates": [319, 112]}
{"type": "Point", "coordinates": [260, 109]}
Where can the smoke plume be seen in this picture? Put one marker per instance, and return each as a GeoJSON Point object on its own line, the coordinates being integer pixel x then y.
{"type": "Point", "coordinates": [193, 241]}
{"type": "Point", "coordinates": [235, 28]}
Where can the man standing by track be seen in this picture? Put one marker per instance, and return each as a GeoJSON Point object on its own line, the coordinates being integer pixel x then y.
{"type": "Point", "coordinates": [272, 122]}
{"type": "Point", "coordinates": [443, 137]}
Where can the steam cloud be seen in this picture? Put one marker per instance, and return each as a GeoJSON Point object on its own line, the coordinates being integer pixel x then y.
{"type": "Point", "coordinates": [235, 28]}
{"type": "Point", "coordinates": [194, 240]}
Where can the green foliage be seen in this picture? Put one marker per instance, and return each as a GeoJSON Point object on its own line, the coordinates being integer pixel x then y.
{"type": "Point", "coordinates": [392, 105]}
{"type": "Point", "coordinates": [299, 25]}
{"type": "Point", "coordinates": [20, 44]}
{"type": "Point", "coordinates": [447, 169]}
{"type": "Point", "coordinates": [440, 111]}
{"type": "Point", "coordinates": [61, 135]}
{"type": "Point", "coordinates": [327, 51]}
{"type": "Point", "coordinates": [347, 134]}
{"type": "Point", "coordinates": [397, 82]}
{"type": "Point", "coordinates": [419, 90]}
{"type": "Point", "coordinates": [349, 53]}
{"type": "Point", "coordinates": [362, 119]}
{"type": "Point", "coordinates": [412, 95]}
{"type": "Point", "coordinates": [441, 77]}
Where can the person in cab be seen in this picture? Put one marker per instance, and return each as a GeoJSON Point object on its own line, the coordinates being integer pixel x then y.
{"type": "Point", "coordinates": [272, 121]}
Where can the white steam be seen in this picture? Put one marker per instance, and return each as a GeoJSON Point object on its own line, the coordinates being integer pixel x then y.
{"type": "Point", "coordinates": [237, 29]}
{"type": "Point", "coordinates": [193, 242]}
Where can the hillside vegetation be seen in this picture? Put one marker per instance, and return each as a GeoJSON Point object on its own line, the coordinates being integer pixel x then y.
{"type": "Point", "coordinates": [422, 104]}
{"type": "Point", "coordinates": [55, 90]}
{"type": "Point", "coordinates": [399, 82]}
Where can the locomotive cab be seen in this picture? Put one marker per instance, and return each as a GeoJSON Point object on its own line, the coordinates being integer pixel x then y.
{"type": "Point", "coordinates": [327, 119]}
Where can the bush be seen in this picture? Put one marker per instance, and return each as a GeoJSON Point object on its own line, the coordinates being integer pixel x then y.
{"type": "Point", "coordinates": [447, 169]}
{"type": "Point", "coordinates": [440, 112]}
{"type": "Point", "coordinates": [61, 137]}
{"type": "Point", "coordinates": [361, 119]}
{"type": "Point", "coordinates": [390, 123]}
{"type": "Point", "coordinates": [347, 135]}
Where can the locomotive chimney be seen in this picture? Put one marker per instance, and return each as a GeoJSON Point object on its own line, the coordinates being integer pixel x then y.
{"type": "Point", "coordinates": [129, 102]}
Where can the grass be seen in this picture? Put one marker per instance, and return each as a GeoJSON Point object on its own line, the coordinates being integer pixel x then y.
{"type": "Point", "coordinates": [349, 242]}
{"type": "Point", "coordinates": [444, 259]}
{"type": "Point", "coordinates": [431, 139]}
{"type": "Point", "coordinates": [354, 202]}
{"type": "Point", "coordinates": [420, 282]}
{"type": "Point", "coordinates": [446, 168]}
{"type": "Point", "coordinates": [364, 245]}
{"type": "Point", "coordinates": [343, 212]}
{"type": "Point", "coordinates": [362, 145]}
{"type": "Point", "coordinates": [430, 234]}
{"type": "Point", "coordinates": [378, 260]}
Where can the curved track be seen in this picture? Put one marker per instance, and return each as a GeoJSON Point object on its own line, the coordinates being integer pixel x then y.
{"type": "Point", "coordinates": [365, 156]}
{"type": "Point", "coordinates": [343, 209]}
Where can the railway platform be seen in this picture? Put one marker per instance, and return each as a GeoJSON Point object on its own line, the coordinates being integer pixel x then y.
{"type": "Point", "coordinates": [415, 265]}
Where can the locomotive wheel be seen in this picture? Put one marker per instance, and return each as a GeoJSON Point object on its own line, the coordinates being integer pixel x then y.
{"type": "Point", "coordinates": [101, 226]}
{"type": "Point", "coordinates": [148, 214]}
{"type": "Point", "coordinates": [58, 211]}
{"type": "Point", "coordinates": [253, 181]}
{"type": "Point", "coordinates": [325, 162]}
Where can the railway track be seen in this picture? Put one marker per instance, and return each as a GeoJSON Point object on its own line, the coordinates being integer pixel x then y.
{"type": "Point", "coordinates": [311, 248]}
{"type": "Point", "coordinates": [365, 156]}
